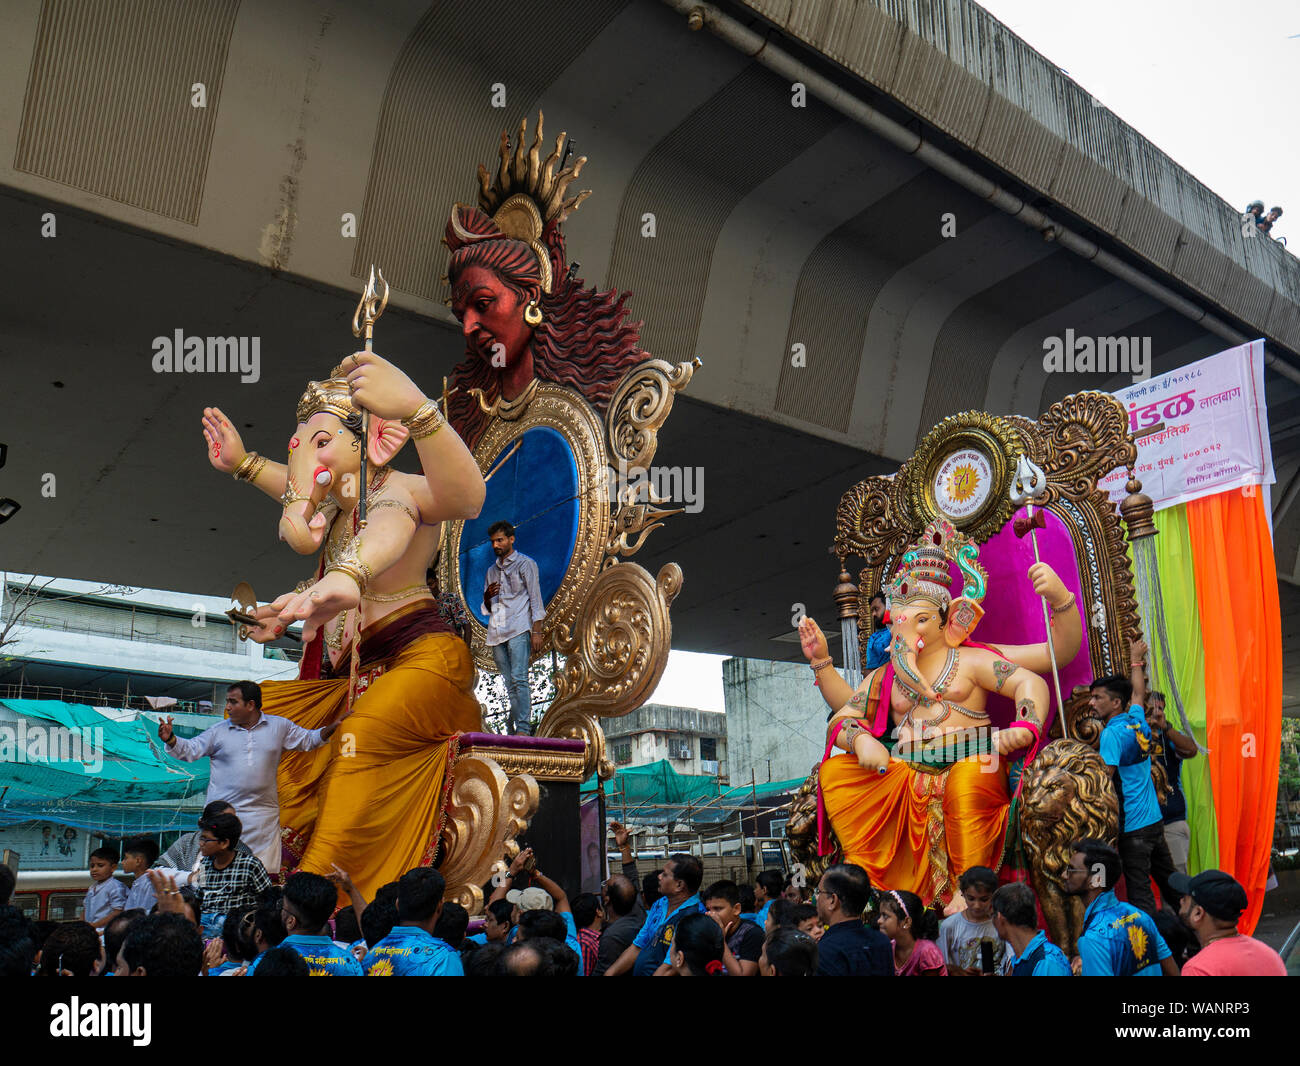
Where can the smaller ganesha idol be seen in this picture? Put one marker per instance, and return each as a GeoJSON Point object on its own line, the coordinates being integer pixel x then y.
{"type": "Point", "coordinates": [377, 648]}
{"type": "Point", "coordinates": [919, 792]}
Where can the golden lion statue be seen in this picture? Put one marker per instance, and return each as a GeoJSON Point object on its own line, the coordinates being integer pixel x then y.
{"type": "Point", "coordinates": [801, 830]}
{"type": "Point", "coordinates": [1067, 796]}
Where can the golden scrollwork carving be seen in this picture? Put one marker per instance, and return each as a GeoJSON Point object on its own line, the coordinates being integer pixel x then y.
{"type": "Point", "coordinates": [564, 411]}
{"type": "Point", "coordinates": [1076, 442]}
{"type": "Point", "coordinates": [615, 653]}
{"type": "Point", "coordinates": [640, 406]}
{"type": "Point", "coordinates": [486, 811]}
{"type": "Point", "coordinates": [542, 765]}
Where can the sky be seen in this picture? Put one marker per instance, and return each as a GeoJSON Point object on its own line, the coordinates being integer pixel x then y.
{"type": "Point", "coordinates": [1211, 84]}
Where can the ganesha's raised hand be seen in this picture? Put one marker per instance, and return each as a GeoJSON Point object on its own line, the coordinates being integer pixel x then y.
{"type": "Point", "coordinates": [316, 605]}
{"type": "Point", "coordinates": [812, 640]}
{"type": "Point", "coordinates": [380, 387]}
{"type": "Point", "coordinates": [225, 447]}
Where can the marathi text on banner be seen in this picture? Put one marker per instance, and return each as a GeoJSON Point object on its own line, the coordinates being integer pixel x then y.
{"type": "Point", "coordinates": [1200, 429]}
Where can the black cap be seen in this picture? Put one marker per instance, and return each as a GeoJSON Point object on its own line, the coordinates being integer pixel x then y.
{"type": "Point", "coordinates": [1219, 893]}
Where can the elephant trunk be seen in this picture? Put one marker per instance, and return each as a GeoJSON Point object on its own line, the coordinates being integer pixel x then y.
{"type": "Point", "coordinates": [300, 526]}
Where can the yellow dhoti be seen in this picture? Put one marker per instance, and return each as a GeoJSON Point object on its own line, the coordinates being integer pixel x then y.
{"type": "Point", "coordinates": [917, 830]}
{"type": "Point", "coordinates": [370, 800]}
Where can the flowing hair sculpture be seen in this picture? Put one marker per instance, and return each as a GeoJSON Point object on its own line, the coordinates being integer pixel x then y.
{"type": "Point", "coordinates": [515, 232]}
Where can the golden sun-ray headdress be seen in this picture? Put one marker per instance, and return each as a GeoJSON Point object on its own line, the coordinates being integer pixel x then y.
{"type": "Point", "coordinates": [525, 197]}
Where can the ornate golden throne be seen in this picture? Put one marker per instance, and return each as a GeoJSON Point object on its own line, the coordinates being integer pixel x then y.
{"type": "Point", "coordinates": [963, 471]}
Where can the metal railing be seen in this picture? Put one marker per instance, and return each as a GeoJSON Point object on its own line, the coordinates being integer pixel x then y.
{"type": "Point", "coordinates": [91, 698]}
{"type": "Point", "coordinates": [198, 643]}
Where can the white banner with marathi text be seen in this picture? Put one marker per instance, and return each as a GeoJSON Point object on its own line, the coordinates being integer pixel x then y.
{"type": "Point", "coordinates": [1200, 429]}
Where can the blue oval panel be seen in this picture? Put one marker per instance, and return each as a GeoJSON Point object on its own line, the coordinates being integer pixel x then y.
{"type": "Point", "coordinates": [536, 490]}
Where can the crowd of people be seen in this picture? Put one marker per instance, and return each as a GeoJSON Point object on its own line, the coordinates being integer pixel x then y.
{"type": "Point", "coordinates": [209, 905]}
{"type": "Point", "coordinates": [237, 923]}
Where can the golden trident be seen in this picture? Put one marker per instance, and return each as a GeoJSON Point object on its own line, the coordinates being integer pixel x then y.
{"type": "Point", "coordinates": [1029, 483]}
{"type": "Point", "coordinates": [372, 305]}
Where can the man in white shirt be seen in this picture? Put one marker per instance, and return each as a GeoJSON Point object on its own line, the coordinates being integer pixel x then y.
{"type": "Point", "coordinates": [512, 598]}
{"type": "Point", "coordinates": [245, 750]}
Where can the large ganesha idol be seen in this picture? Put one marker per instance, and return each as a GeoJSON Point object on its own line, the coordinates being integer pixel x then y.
{"type": "Point", "coordinates": [377, 649]}
{"type": "Point", "coordinates": [919, 790]}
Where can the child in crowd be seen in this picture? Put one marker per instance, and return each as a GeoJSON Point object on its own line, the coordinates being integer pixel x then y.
{"type": "Point", "coordinates": [969, 942]}
{"type": "Point", "coordinates": [697, 948]}
{"type": "Point", "coordinates": [806, 921]}
{"type": "Point", "coordinates": [912, 927]}
{"type": "Point", "coordinates": [106, 897]}
{"type": "Point", "coordinates": [138, 854]}
{"type": "Point", "coordinates": [743, 938]}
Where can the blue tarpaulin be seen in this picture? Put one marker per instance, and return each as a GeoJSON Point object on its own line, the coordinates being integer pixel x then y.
{"type": "Point", "coordinates": [67, 763]}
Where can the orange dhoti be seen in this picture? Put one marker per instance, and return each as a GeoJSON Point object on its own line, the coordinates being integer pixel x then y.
{"type": "Point", "coordinates": [917, 830]}
{"type": "Point", "coordinates": [370, 801]}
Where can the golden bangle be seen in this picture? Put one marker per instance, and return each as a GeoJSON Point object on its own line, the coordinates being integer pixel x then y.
{"type": "Point", "coordinates": [249, 467]}
{"type": "Point", "coordinates": [1067, 604]}
{"type": "Point", "coordinates": [356, 570]}
{"type": "Point", "coordinates": [425, 422]}
{"type": "Point", "coordinates": [821, 664]}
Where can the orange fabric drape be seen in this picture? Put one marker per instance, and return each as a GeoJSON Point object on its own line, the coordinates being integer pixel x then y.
{"type": "Point", "coordinates": [1236, 587]}
{"type": "Point", "coordinates": [913, 830]}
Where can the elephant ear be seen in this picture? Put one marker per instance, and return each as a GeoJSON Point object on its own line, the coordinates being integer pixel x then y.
{"type": "Point", "coordinates": [963, 616]}
{"type": "Point", "coordinates": [384, 440]}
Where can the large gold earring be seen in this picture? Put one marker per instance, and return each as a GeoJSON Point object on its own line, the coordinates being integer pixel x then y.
{"type": "Point", "coordinates": [533, 314]}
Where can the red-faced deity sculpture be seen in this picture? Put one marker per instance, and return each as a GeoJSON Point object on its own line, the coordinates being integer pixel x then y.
{"type": "Point", "coordinates": [523, 315]}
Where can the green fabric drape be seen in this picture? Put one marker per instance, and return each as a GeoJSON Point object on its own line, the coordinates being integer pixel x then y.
{"type": "Point", "coordinates": [1187, 652]}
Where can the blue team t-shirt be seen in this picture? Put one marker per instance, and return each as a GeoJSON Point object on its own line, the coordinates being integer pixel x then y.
{"type": "Point", "coordinates": [408, 951]}
{"type": "Point", "coordinates": [324, 958]}
{"type": "Point", "coordinates": [656, 935]}
{"type": "Point", "coordinates": [1119, 940]}
{"type": "Point", "coordinates": [1126, 745]}
{"type": "Point", "coordinates": [1052, 963]}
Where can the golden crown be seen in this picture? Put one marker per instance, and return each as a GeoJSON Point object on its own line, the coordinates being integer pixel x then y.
{"type": "Point", "coordinates": [331, 395]}
{"type": "Point", "coordinates": [526, 194]}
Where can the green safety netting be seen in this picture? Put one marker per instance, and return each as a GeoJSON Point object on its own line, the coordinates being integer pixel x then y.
{"type": "Point", "coordinates": [656, 792]}
{"type": "Point", "coordinates": [67, 763]}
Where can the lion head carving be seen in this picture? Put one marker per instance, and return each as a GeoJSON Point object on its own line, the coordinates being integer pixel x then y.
{"type": "Point", "coordinates": [1067, 796]}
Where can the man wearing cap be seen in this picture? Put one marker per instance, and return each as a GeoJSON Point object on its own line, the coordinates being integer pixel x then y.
{"type": "Point", "coordinates": [1211, 905]}
{"type": "Point", "coordinates": [543, 894]}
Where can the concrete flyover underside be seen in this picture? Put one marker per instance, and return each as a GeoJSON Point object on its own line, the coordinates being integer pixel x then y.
{"type": "Point", "coordinates": [774, 226]}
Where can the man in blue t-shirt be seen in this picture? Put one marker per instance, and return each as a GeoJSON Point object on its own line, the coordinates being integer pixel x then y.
{"type": "Point", "coordinates": [679, 895]}
{"type": "Point", "coordinates": [305, 909]}
{"type": "Point", "coordinates": [878, 641]}
{"type": "Point", "coordinates": [411, 949]}
{"type": "Point", "coordinates": [1125, 747]}
{"type": "Point", "coordinates": [1118, 940]}
{"type": "Point", "coordinates": [1015, 917]}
